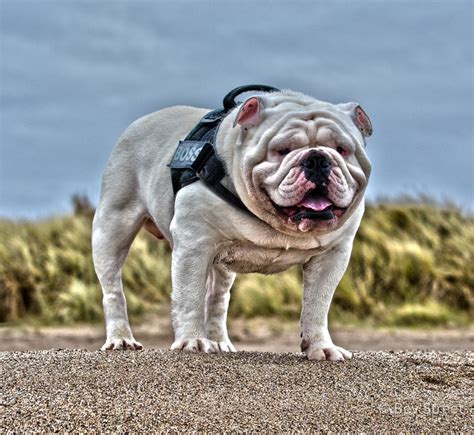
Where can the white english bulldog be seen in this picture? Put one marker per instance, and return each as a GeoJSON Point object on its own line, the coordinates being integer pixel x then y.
{"type": "Point", "coordinates": [299, 166]}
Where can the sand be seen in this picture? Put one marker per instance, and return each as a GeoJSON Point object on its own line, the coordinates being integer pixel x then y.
{"type": "Point", "coordinates": [66, 390]}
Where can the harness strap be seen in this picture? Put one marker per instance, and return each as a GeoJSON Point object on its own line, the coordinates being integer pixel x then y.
{"type": "Point", "coordinates": [206, 166]}
{"type": "Point", "coordinates": [195, 157]}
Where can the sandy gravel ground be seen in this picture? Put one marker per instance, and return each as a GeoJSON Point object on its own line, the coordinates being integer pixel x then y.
{"type": "Point", "coordinates": [156, 390]}
{"type": "Point", "coordinates": [269, 335]}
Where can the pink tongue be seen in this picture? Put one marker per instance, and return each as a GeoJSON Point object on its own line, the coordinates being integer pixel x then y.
{"type": "Point", "coordinates": [316, 203]}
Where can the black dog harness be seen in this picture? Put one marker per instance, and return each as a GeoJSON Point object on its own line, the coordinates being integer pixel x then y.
{"type": "Point", "coordinates": [195, 157]}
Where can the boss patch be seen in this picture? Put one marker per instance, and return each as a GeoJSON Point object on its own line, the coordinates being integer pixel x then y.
{"type": "Point", "coordinates": [185, 154]}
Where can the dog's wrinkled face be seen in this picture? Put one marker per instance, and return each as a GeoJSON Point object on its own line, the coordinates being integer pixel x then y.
{"type": "Point", "coordinates": [303, 163]}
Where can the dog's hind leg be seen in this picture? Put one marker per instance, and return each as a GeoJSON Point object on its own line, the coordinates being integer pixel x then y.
{"type": "Point", "coordinates": [219, 282]}
{"type": "Point", "coordinates": [114, 229]}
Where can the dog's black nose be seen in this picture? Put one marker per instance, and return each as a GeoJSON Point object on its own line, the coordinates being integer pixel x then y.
{"type": "Point", "coordinates": [317, 168]}
{"type": "Point", "coordinates": [316, 162]}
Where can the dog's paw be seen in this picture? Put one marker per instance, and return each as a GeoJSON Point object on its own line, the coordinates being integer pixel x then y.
{"type": "Point", "coordinates": [223, 342]}
{"type": "Point", "coordinates": [226, 346]}
{"type": "Point", "coordinates": [325, 351]}
{"type": "Point", "coordinates": [122, 344]}
{"type": "Point", "coordinates": [200, 345]}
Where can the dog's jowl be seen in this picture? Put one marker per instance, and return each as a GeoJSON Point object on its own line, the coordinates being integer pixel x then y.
{"type": "Point", "coordinates": [265, 184]}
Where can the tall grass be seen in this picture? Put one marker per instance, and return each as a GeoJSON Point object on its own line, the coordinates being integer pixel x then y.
{"type": "Point", "coordinates": [412, 264]}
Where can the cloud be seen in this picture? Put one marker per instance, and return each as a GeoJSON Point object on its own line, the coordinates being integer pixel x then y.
{"type": "Point", "coordinates": [75, 77]}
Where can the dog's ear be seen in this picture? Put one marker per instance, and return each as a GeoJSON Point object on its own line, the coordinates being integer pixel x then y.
{"type": "Point", "coordinates": [360, 118]}
{"type": "Point", "coordinates": [250, 113]}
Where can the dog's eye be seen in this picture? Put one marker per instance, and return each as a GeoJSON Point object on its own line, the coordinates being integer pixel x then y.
{"type": "Point", "coordinates": [342, 151]}
{"type": "Point", "coordinates": [284, 151]}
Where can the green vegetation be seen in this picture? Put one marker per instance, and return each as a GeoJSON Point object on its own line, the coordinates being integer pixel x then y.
{"type": "Point", "coordinates": [412, 265]}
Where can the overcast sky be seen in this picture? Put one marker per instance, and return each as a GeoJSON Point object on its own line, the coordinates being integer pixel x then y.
{"type": "Point", "coordinates": [74, 74]}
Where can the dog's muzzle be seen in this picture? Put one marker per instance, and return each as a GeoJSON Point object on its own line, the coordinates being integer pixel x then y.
{"type": "Point", "coordinates": [315, 205]}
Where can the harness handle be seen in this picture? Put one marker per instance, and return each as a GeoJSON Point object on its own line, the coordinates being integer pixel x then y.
{"type": "Point", "coordinates": [229, 99]}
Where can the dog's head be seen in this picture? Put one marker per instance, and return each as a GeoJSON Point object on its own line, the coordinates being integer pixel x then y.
{"type": "Point", "coordinates": [299, 163]}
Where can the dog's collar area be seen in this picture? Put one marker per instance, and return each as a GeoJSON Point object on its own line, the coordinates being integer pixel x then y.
{"type": "Point", "coordinates": [195, 157]}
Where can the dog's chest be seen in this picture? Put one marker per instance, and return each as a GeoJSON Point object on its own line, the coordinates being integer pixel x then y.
{"type": "Point", "coordinates": [241, 257]}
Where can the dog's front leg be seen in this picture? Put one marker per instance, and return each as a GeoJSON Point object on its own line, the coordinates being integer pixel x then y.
{"type": "Point", "coordinates": [191, 260]}
{"type": "Point", "coordinates": [321, 277]}
{"type": "Point", "coordinates": [219, 282]}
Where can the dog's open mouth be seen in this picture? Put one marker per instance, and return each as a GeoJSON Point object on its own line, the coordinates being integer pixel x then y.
{"type": "Point", "coordinates": [314, 206]}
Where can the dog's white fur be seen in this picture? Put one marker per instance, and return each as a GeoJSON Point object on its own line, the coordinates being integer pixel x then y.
{"type": "Point", "coordinates": [210, 238]}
